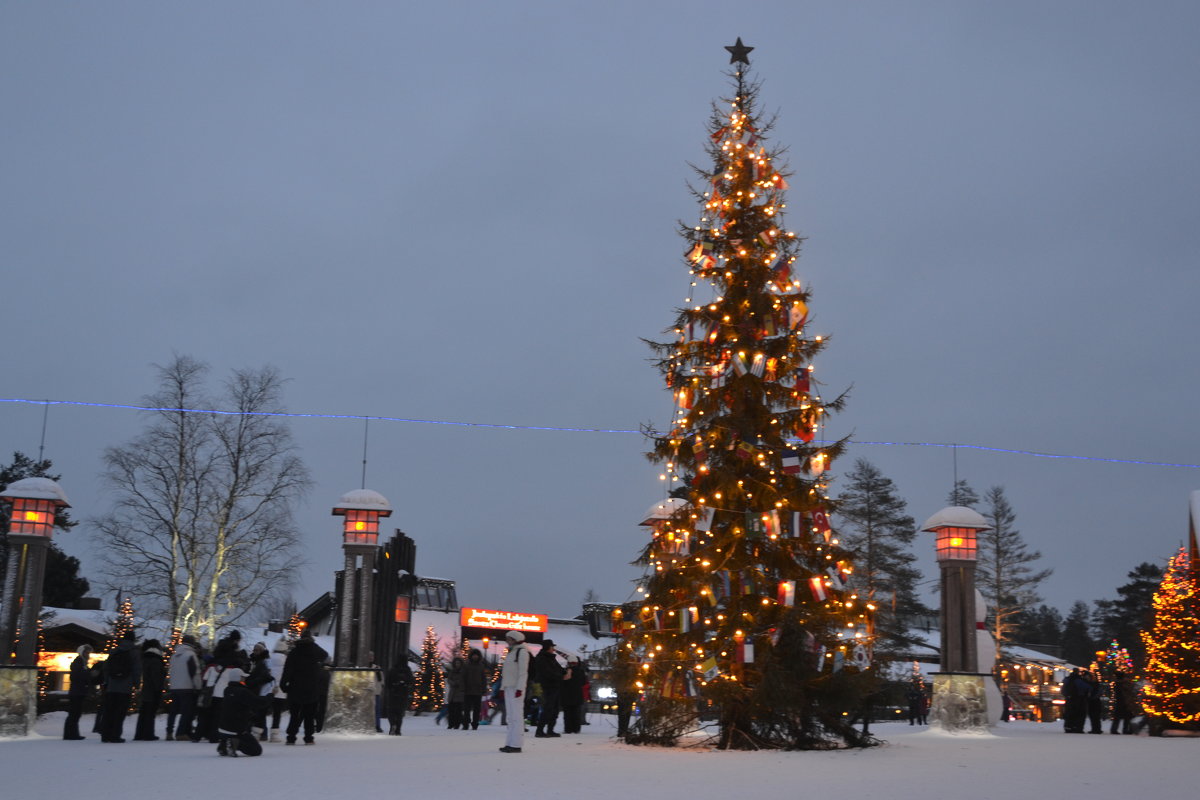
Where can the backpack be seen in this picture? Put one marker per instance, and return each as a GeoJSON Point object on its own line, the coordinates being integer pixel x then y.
{"type": "Point", "coordinates": [119, 663]}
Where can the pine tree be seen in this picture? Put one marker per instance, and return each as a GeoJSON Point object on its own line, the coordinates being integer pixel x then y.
{"type": "Point", "coordinates": [429, 685]}
{"type": "Point", "coordinates": [1172, 654]}
{"type": "Point", "coordinates": [880, 534]}
{"type": "Point", "coordinates": [1039, 628]}
{"type": "Point", "coordinates": [1006, 580]}
{"type": "Point", "coordinates": [746, 605]}
{"type": "Point", "coordinates": [962, 495]}
{"type": "Point", "coordinates": [1077, 643]}
{"type": "Point", "coordinates": [1131, 613]}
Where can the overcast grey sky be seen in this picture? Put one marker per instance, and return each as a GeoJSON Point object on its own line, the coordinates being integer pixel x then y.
{"type": "Point", "coordinates": [468, 213]}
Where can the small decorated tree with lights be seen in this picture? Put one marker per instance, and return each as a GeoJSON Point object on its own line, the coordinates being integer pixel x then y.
{"type": "Point", "coordinates": [122, 625]}
{"type": "Point", "coordinates": [1112, 660]}
{"type": "Point", "coordinates": [1172, 697]}
{"type": "Point", "coordinates": [429, 685]}
{"type": "Point", "coordinates": [749, 608]}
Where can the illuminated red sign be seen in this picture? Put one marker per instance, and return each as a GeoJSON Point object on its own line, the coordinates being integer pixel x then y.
{"type": "Point", "coordinates": [502, 620]}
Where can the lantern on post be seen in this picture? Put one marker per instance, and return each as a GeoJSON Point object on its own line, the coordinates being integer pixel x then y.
{"type": "Point", "coordinates": [34, 502]}
{"type": "Point", "coordinates": [956, 529]}
{"type": "Point", "coordinates": [361, 509]}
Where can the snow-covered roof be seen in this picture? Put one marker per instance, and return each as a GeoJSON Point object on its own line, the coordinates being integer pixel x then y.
{"type": "Point", "coordinates": [363, 499]}
{"type": "Point", "coordinates": [956, 517]}
{"type": "Point", "coordinates": [37, 489]}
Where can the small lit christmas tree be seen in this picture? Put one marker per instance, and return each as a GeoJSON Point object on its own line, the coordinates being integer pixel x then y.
{"type": "Point", "coordinates": [749, 607]}
{"type": "Point", "coordinates": [1112, 660]}
{"type": "Point", "coordinates": [122, 625]}
{"type": "Point", "coordinates": [1172, 654]}
{"type": "Point", "coordinates": [429, 684]}
{"type": "Point", "coordinates": [295, 627]}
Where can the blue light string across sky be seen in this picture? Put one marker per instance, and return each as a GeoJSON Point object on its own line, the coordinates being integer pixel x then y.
{"type": "Point", "coordinates": [299, 415]}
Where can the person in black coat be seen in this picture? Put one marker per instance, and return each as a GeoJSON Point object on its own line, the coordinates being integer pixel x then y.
{"type": "Point", "coordinates": [239, 706]}
{"type": "Point", "coordinates": [550, 675]}
{"type": "Point", "coordinates": [571, 697]}
{"type": "Point", "coordinates": [302, 681]}
{"type": "Point", "coordinates": [81, 686]}
{"type": "Point", "coordinates": [154, 677]}
{"type": "Point", "coordinates": [397, 690]}
{"type": "Point", "coordinates": [122, 672]}
{"type": "Point", "coordinates": [475, 686]}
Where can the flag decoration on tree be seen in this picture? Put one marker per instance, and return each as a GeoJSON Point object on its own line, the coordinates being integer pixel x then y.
{"type": "Point", "coordinates": [759, 589]}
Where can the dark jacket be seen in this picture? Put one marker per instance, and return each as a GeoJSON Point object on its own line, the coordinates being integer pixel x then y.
{"type": "Point", "coordinates": [238, 707]}
{"type": "Point", "coordinates": [302, 672]}
{"type": "Point", "coordinates": [82, 678]}
{"type": "Point", "coordinates": [475, 678]}
{"type": "Point", "coordinates": [454, 682]}
{"type": "Point", "coordinates": [397, 686]}
{"type": "Point", "coordinates": [572, 687]}
{"type": "Point", "coordinates": [115, 685]}
{"type": "Point", "coordinates": [154, 675]}
{"type": "Point", "coordinates": [549, 673]}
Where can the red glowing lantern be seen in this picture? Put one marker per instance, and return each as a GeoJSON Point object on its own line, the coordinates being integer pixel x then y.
{"type": "Point", "coordinates": [956, 528]}
{"type": "Point", "coordinates": [362, 509]}
{"type": "Point", "coordinates": [34, 504]}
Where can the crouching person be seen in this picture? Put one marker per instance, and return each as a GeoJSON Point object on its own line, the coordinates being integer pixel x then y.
{"type": "Point", "coordinates": [238, 708]}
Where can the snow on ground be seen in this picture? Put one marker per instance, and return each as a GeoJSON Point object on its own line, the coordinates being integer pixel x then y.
{"type": "Point", "coordinates": [1020, 760]}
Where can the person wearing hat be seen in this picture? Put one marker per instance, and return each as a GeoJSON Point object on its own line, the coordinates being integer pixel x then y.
{"type": "Point", "coordinates": [514, 674]}
{"type": "Point", "coordinates": [239, 704]}
{"type": "Point", "coordinates": [550, 674]}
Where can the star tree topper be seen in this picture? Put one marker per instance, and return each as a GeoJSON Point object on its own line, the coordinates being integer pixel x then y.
{"type": "Point", "coordinates": [739, 53]}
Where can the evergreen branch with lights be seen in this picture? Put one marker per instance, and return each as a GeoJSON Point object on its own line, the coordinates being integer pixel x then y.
{"type": "Point", "coordinates": [1172, 694]}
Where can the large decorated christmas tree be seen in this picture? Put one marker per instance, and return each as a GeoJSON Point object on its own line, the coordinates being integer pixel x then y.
{"type": "Point", "coordinates": [1172, 696]}
{"type": "Point", "coordinates": [748, 613]}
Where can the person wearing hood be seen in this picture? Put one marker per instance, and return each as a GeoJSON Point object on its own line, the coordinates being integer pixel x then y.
{"type": "Point", "coordinates": [122, 672]}
{"type": "Point", "coordinates": [183, 684]}
{"type": "Point", "coordinates": [475, 684]}
{"type": "Point", "coordinates": [154, 676]}
{"type": "Point", "coordinates": [262, 675]}
{"type": "Point", "coordinates": [77, 694]}
{"type": "Point", "coordinates": [454, 694]}
{"type": "Point", "coordinates": [514, 675]}
{"type": "Point", "coordinates": [239, 705]}
{"type": "Point", "coordinates": [301, 679]}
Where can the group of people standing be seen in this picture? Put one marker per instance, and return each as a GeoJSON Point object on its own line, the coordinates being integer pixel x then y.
{"type": "Point", "coordinates": [1083, 702]}
{"type": "Point", "coordinates": [562, 688]}
{"type": "Point", "coordinates": [224, 697]}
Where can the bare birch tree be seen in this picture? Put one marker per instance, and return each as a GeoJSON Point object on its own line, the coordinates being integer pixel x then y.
{"type": "Point", "coordinates": [201, 529]}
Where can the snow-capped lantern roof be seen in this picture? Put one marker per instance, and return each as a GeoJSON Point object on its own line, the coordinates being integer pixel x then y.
{"type": "Point", "coordinates": [662, 510]}
{"type": "Point", "coordinates": [956, 517]}
{"type": "Point", "coordinates": [37, 489]}
{"type": "Point", "coordinates": [363, 500]}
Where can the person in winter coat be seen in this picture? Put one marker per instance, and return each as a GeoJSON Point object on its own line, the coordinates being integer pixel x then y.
{"type": "Point", "coordinates": [229, 652]}
{"type": "Point", "coordinates": [261, 675]}
{"type": "Point", "coordinates": [514, 676]}
{"type": "Point", "coordinates": [571, 697]}
{"type": "Point", "coordinates": [302, 673]}
{"type": "Point", "coordinates": [1075, 692]}
{"type": "Point", "coordinates": [475, 684]}
{"type": "Point", "coordinates": [77, 695]}
{"type": "Point", "coordinates": [397, 693]}
{"type": "Point", "coordinates": [549, 673]}
{"type": "Point", "coordinates": [1124, 703]}
{"type": "Point", "coordinates": [1095, 702]}
{"type": "Point", "coordinates": [454, 694]}
{"type": "Point", "coordinates": [239, 705]}
{"type": "Point", "coordinates": [183, 684]}
{"type": "Point", "coordinates": [122, 672]}
{"type": "Point", "coordinates": [154, 678]}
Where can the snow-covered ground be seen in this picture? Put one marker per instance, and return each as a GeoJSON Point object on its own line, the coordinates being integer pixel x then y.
{"type": "Point", "coordinates": [1020, 760]}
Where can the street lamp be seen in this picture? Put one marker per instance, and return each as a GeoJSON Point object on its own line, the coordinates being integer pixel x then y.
{"type": "Point", "coordinates": [959, 699]}
{"type": "Point", "coordinates": [34, 502]}
{"type": "Point", "coordinates": [361, 509]}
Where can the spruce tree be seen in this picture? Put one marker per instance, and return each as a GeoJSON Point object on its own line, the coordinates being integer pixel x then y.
{"type": "Point", "coordinates": [1006, 578]}
{"type": "Point", "coordinates": [962, 495]}
{"type": "Point", "coordinates": [1172, 654]}
{"type": "Point", "coordinates": [1123, 619]}
{"type": "Point", "coordinates": [429, 684]}
{"type": "Point", "coordinates": [1078, 646]}
{"type": "Point", "coordinates": [747, 606]}
{"type": "Point", "coordinates": [880, 534]}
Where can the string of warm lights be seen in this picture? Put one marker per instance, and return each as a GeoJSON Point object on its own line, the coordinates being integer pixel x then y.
{"type": "Point", "coordinates": [1173, 645]}
{"type": "Point", "coordinates": [568, 429]}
